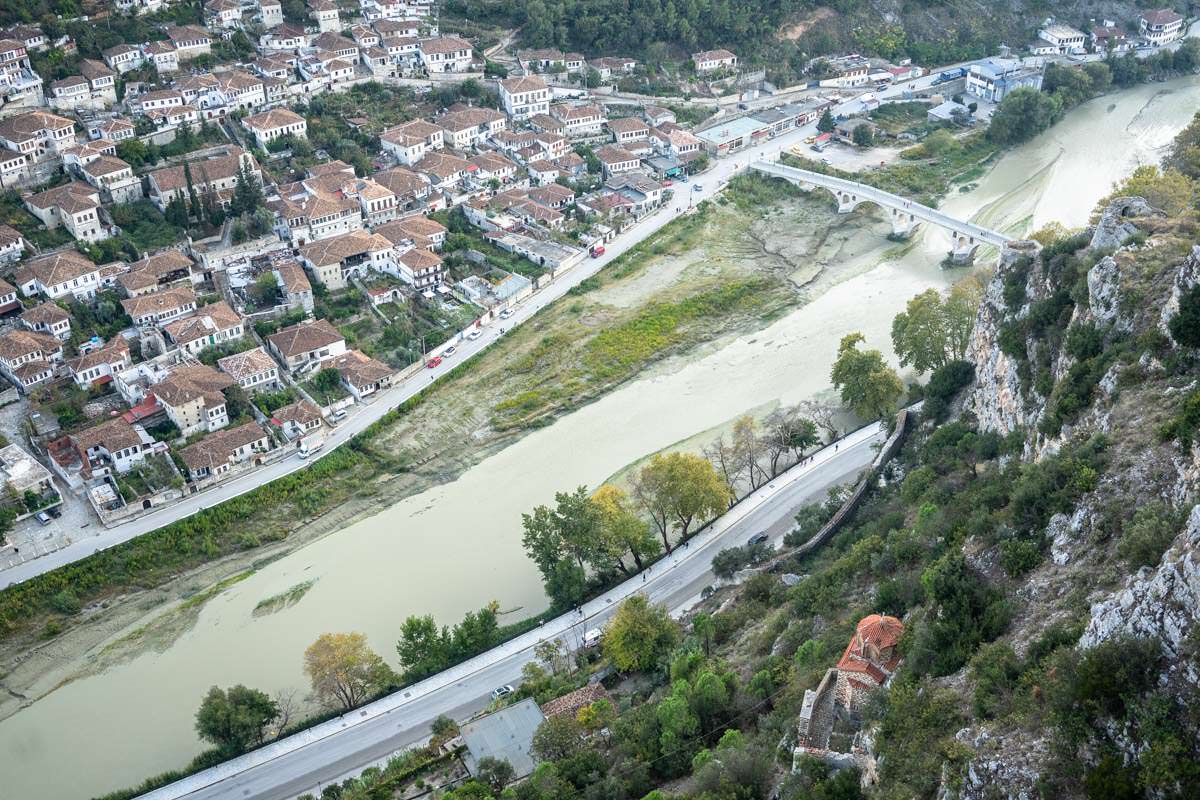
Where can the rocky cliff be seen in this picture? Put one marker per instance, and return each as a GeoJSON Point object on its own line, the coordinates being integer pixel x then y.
{"type": "Point", "coordinates": [1072, 341]}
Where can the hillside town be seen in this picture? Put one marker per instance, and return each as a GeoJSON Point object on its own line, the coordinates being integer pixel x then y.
{"type": "Point", "coordinates": [220, 242]}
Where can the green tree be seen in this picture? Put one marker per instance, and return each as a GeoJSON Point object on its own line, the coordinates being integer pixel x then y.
{"type": "Point", "coordinates": [677, 490]}
{"type": "Point", "coordinates": [265, 290]}
{"type": "Point", "coordinates": [343, 670]}
{"type": "Point", "coordinates": [563, 541]}
{"type": "Point", "coordinates": [495, 772]}
{"type": "Point", "coordinates": [863, 136]}
{"type": "Point", "coordinates": [825, 124]}
{"type": "Point", "coordinates": [639, 635]}
{"type": "Point", "coordinates": [557, 738]}
{"type": "Point", "coordinates": [423, 649]}
{"type": "Point", "coordinates": [247, 192]}
{"type": "Point", "coordinates": [1022, 114]}
{"type": "Point", "coordinates": [678, 727]}
{"type": "Point", "coordinates": [236, 719]}
{"type": "Point", "coordinates": [704, 628]}
{"type": "Point", "coordinates": [934, 330]}
{"type": "Point", "coordinates": [867, 384]}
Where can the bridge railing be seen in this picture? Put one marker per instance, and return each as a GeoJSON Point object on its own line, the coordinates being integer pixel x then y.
{"type": "Point", "coordinates": [883, 197]}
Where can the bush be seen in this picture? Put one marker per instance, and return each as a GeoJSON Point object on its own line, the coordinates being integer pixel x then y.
{"type": "Point", "coordinates": [1148, 535]}
{"type": "Point", "coordinates": [1018, 556]}
{"type": "Point", "coordinates": [1185, 326]}
{"type": "Point", "coordinates": [946, 382]}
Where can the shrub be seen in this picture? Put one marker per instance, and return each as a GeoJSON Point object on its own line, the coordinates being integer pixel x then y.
{"type": "Point", "coordinates": [1148, 535]}
{"type": "Point", "coordinates": [995, 670]}
{"type": "Point", "coordinates": [1018, 556]}
{"type": "Point", "coordinates": [944, 384]}
{"type": "Point", "coordinates": [1185, 326]}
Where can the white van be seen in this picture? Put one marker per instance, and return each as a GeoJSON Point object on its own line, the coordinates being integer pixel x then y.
{"type": "Point", "coordinates": [591, 638]}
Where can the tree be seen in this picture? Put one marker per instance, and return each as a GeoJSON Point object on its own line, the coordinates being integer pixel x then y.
{"type": "Point", "coordinates": [444, 727]}
{"type": "Point", "coordinates": [704, 627]}
{"type": "Point", "coordinates": [562, 541]}
{"type": "Point", "coordinates": [825, 124]}
{"type": "Point", "coordinates": [597, 715]}
{"type": "Point", "coordinates": [557, 738]}
{"type": "Point", "coordinates": [265, 290]}
{"type": "Point", "coordinates": [423, 648]}
{"type": "Point", "coordinates": [234, 720]}
{"type": "Point", "coordinates": [343, 669]}
{"type": "Point", "coordinates": [639, 635]}
{"type": "Point", "coordinates": [621, 530]}
{"type": "Point", "coordinates": [1022, 114]}
{"type": "Point", "coordinates": [867, 384]}
{"type": "Point", "coordinates": [177, 213]}
{"type": "Point", "coordinates": [934, 329]}
{"type": "Point", "coordinates": [1168, 190]}
{"type": "Point", "coordinates": [495, 772]}
{"type": "Point", "coordinates": [247, 192]}
{"type": "Point", "coordinates": [863, 135]}
{"type": "Point", "coordinates": [676, 489]}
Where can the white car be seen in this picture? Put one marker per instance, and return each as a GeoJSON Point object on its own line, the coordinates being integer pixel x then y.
{"type": "Point", "coordinates": [473, 335]}
{"type": "Point", "coordinates": [449, 351]}
{"type": "Point", "coordinates": [502, 691]}
{"type": "Point", "coordinates": [506, 313]}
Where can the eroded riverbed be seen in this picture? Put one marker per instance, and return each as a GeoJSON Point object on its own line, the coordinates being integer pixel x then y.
{"type": "Point", "coordinates": [456, 546]}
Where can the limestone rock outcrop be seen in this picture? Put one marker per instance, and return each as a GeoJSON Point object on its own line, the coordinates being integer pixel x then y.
{"type": "Point", "coordinates": [1163, 602]}
{"type": "Point", "coordinates": [1115, 227]}
{"type": "Point", "coordinates": [996, 399]}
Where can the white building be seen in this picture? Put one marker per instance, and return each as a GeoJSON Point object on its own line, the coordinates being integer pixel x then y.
{"type": "Point", "coordinates": [270, 125]}
{"type": "Point", "coordinates": [524, 97]}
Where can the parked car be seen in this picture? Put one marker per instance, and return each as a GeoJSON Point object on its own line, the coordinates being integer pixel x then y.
{"type": "Point", "coordinates": [449, 351]}
{"type": "Point", "coordinates": [340, 414]}
{"type": "Point", "coordinates": [697, 188]}
{"type": "Point", "coordinates": [433, 362]}
{"type": "Point", "coordinates": [592, 638]}
{"type": "Point", "coordinates": [506, 313]}
{"type": "Point", "coordinates": [502, 691]}
{"type": "Point", "coordinates": [597, 250]}
{"type": "Point", "coordinates": [758, 538]}
{"type": "Point", "coordinates": [668, 182]}
{"type": "Point", "coordinates": [475, 334]}
{"type": "Point", "coordinates": [42, 517]}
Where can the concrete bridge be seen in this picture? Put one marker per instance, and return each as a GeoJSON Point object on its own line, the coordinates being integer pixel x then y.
{"type": "Point", "coordinates": [906, 214]}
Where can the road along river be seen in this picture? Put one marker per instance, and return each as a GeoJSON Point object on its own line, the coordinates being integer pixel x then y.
{"type": "Point", "coordinates": [457, 546]}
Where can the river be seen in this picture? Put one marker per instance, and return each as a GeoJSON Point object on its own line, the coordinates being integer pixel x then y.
{"type": "Point", "coordinates": [457, 546]}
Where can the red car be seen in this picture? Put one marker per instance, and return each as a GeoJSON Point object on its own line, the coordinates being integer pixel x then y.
{"type": "Point", "coordinates": [597, 251]}
{"type": "Point", "coordinates": [433, 362]}
{"type": "Point", "coordinates": [667, 182]}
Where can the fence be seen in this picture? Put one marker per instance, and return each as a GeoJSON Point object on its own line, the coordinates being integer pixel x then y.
{"type": "Point", "coordinates": [889, 449]}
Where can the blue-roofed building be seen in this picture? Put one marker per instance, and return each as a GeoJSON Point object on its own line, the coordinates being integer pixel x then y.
{"type": "Point", "coordinates": [993, 78]}
{"type": "Point", "coordinates": [506, 734]}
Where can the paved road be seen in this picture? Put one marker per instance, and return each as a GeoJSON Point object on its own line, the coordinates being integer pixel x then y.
{"type": "Point", "coordinates": [702, 187]}
{"type": "Point", "coordinates": [882, 198]}
{"type": "Point", "coordinates": [333, 749]}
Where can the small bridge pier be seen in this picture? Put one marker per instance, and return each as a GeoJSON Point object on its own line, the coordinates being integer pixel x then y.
{"type": "Point", "coordinates": [964, 248]}
{"type": "Point", "coordinates": [903, 223]}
